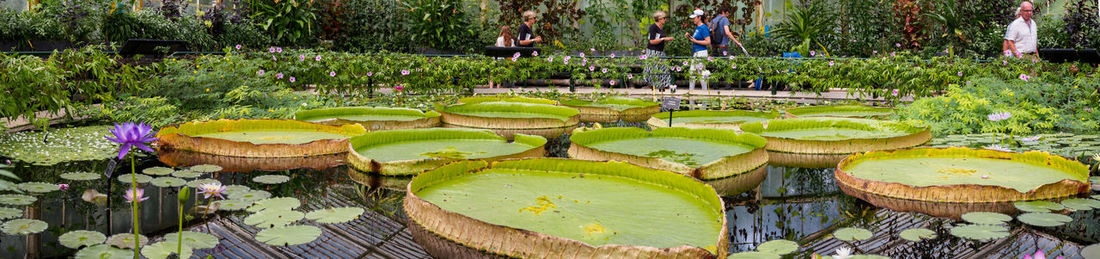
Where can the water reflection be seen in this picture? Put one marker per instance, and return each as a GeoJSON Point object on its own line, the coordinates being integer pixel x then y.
{"type": "Point", "coordinates": [794, 181]}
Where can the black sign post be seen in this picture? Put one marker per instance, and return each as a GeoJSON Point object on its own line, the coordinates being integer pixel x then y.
{"type": "Point", "coordinates": [670, 104]}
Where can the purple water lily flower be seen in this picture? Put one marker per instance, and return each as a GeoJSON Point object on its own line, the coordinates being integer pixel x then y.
{"type": "Point", "coordinates": [132, 135]}
{"type": "Point", "coordinates": [1030, 139]}
{"type": "Point", "coordinates": [212, 189]}
{"type": "Point", "coordinates": [999, 116]}
{"type": "Point", "coordinates": [131, 196]}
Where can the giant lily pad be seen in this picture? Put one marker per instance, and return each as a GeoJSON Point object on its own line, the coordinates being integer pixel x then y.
{"type": "Point", "coordinates": [61, 145]}
{"type": "Point", "coordinates": [271, 179]}
{"type": "Point", "coordinates": [24, 226]}
{"type": "Point", "coordinates": [962, 175]}
{"type": "Point", "coordinates": [39, 187]}
{"type": "Point", "coordinates": [1044, 219]}
{"type": "Point", "coordinates": [520, 207]}
{"type": "Point", "coordinates": [779, 247]}
{"type": "Point", "coordinates": [989, 218]}
{"type": "Point", "coordinates": [193, 239]}
{"type": "Point", "coordinates": [373, 118]}
{"type": "Point", "coordinates": [612, 109]}
{"type": "Point", "coordinates": [335, 215]}
{"type": "Point", "coordinates": [980, 232]}
{"type": "Point", "coordinates": [1038, 206]}
{"type": "Point", "coordinates": [852, 234]}
{"type": "Point", "coordinates": [258, 138]}
{"type": "Point", "coordinates": [507, 118]}
{"type": "Point", "coordinates": [408, 152]}
{"type": "Point", "coordinates": [847, 111]}
{"type": "Point", "coordinates": [248, 164]}
{"type": "Point", "coordinates": [168, 181]}
{"type": "Point", "coordinates": [709, 119]}
{"type": "Point", "coordinates": [80, 176]}
{"type": "Point", "coordinates": [17, 199]}
{"type": "Point", "coordinates": [162, 250]}
{"type": "Point", "coordinates": [10, 213]}
{"type": "Point", "coordinates": [1081, 204]}
{"type": "Point", "coordinates": [506, 98]}
{"type": "Point", "coordinates": [917, 234]}
{"type": "Point", "coordinates": [952, 210]}
{"type": "Point", "coordinates": [103, 252]}
{"type": "Point", "coordinates": [289, 235]}
{"type": "Point", "coordinates": [836, 135]}
{"type": "Point", "coordinates": [77, 238]}
{"type": "Point", "coordinates": [703, 153]}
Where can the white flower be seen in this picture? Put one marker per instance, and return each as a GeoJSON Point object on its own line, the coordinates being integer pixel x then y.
{"type": "Point", "coordinates": [305, 104]}
{"type": "Point", "coordinates": [843, 253]}
{"type": "Point", "coordinates": [998, 148]}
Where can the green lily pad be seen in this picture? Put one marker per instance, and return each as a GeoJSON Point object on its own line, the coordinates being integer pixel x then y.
{"type": "Point", "coordinates": [1038, 206]}
{"type": "Point", "coordinates": [989, 218]}
{"type": "Point", "coordinates": [80, 176]}
{"type": "Point", "coordinates": [233, 204]}
{"type": "Point", "coordinates": [168, 181]}
{"type": "Point", "coordinates": [779, 247]}
{"type": "Point", "coordinates": [10, 213]}
{"type": "Point", "coordinates": [753, 255]}
{"type": "Point", "coordinates": [1081, 204]}
{"type": "Point", "coordinates": [234, 188]}
{"type": "Point", "coordinates": [103, 252]}
{"type": "Point", "coordinates": [140, 178]}
{"type": "Point", "coordinates": [186, 174]}
{"type": "Point", "coordinates": [1096, 197]}
{"type": "Point", "coordinates": [1092, 251]}
{"type": "Point", "coordinates": [335, 215]}
{"type": "Point", "coordinates": [162, 250]}
{"type": "Point", "coordinates": [271, 179]}
{"type": "Point", "coordinates": [980, 232]}
{"type": "Point", "coordinates": [77, 238]}
{"type": "Point", "coordinates": [916, 234]}
{"type": "Point", "coordinates": [193, 239]}
{"type": "Point", "coordinates": [273, 218]}
{"type": "Point", "coordinates": [199, 182]}
{"type": "Point", "coordinates": [61, 145]}
{"type": "Point", "coordinates": [251, 195]}
{"type": "Point", "coordinates": [289, 235]}
{"type": "Point", "coordinates": [1044, 219]}
{"type": "Point", "coordinates": [852, 234]}
{"type": "Point", "coordinates": [24, 226]}
{"type": "Point", "coordinates": [280, 203]}
{"type": "Point", "coordinates": [126, 240]}
{"type": "Point", "coordinates": [159, 171]}
{"type": "Point", "coordinates": [39, 187]}
{"type": "Point", "coordinates": [206, 168]}
{"type": "Point", "coordinates": [17, 199]}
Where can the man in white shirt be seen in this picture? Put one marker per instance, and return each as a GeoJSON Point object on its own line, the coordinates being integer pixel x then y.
{"type": "Point", "coordinates": [1022, 33]}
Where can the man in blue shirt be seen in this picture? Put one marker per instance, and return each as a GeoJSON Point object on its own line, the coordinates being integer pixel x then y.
{"type": "Point", "coordinates": [699, 42]}
{"type": "Point", "coordinates": [721, 35]}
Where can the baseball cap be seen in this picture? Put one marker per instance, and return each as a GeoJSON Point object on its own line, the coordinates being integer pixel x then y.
{"type": "Point", "coordinates": [696, 13]}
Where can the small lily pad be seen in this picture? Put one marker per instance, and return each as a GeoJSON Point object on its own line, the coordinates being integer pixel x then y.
{"type": "Point", "coordinates": [158, 171]}
{"type": "Point", "coordinates": [852, 234]}
{"type": "Point", "coordinates": [1096, 197]}
{"type": "Point", "coordinates": [289, 235]}
{"type": "Point", "coordinates": [77, 238]}
{"type": "Point", "coordinates": [273, 218]}
{"type": "Point", "coordinates": [103, 252]}
{"type": "Point", "coordinates": [186, 174]}
{"type": "Point", "coordinates": [206, 168]}
{"type": "Point", "coordinates": [280, 203]}
{"type": "Point", "coordinates": [1081, 204]}
{"type": "Point", "coordinates": [234, 188]}
{"type": "Point", "coordinates": [252, 195]}
{"type": "Point", "coordinates": [193, 239]}
{"type": "Point", "coordinates": [753, 255]}
{"type": "Point", "coordinates": [39, 187]}
{"type": "Point", "coordinates": [80, 176]}
{"type": "Point", "coordinates": [233, 204]}
{"type": "Point", "coordinates": [10, 213]}
{"type": "Point", "coordinates": [162, 250]}
{"type": "Point", "coordinates": [1038, 206]}
{"type": "Point", "coordinates": [989, 218]}
{"type": "Point", "coordinates": [1044, 219]}
{"type": "Point", "coordinates": [339, 215]}
{"type": "Point", "coordinates": [271, 179]}
{"type": "Point", "coordinates": [916, 234]}
{"type": "Point", "coordinates": [126, 240]}
{"type": "Point", "coordinates": [24, 226]}
{"type": "Point", "coordinates": [778, 246]}
{"type": "Point", "coordinates": [980, 232]}
{"type": "Point", "coordinates": [199, 182]}
{"type": "Point", "coordinates": [141, 178]}
{"type": "Point", "coordinates": [1092, 251]}
{"type": "Point", "coordinates": [167, 181]}
{"type": "Point", "coordinates": [17, 199]}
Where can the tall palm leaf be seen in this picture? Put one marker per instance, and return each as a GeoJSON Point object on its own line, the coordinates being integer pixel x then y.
{"type": "Point", "coordinates": [806, 24]}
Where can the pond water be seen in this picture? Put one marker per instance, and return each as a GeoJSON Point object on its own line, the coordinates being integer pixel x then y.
{"type": "Point", "coordinates": [799, 204]}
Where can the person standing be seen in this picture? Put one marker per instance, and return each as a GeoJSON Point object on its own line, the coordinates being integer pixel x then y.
{"type": "Point", "coordinates": [505, 39]}
{"type": "Point", "coordinates": [1022, 36]}
{"type": "Point", "coordinates": [656, 73]}
{"type": "Point", "coordinates": [699, 41]}
{"type": "Point", "coordinates": [722, 35]}
{"type": "Point", "coordinates": [526, 37]}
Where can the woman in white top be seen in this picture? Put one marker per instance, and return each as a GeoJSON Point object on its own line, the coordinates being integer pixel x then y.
{"type": "Point", "coordinates": [505, 38]}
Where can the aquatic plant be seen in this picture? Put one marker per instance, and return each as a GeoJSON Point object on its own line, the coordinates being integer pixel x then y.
{"type": "Point", "coordinates": [131, 135]}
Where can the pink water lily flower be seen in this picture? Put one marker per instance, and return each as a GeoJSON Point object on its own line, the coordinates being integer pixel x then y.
{"type": "Point", "coordinates": [212, 189]}
{"type": "Point", "coordinates": [1038, 255]}
{"type": "Point", "coordinates": [130, 195]}
{"type": "Point", "coordinates": [63, 186]}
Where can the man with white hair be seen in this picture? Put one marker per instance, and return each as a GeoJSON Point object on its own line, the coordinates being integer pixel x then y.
{"type": "Point", "coordinates": [1022, 35]}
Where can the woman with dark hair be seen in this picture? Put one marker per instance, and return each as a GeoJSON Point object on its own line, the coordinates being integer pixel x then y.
{"type": "Point", "coordinates": [656, 73]}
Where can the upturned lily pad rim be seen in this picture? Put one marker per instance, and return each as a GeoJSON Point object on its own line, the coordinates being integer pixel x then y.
{"type": "Point", "coordinates": [185, 137]}
{"type": "Point", "coordinates": [727, 166]}
{"type": "Point", "coordinates": [610, 109]}
{"type": "Point", "coordinates": [419, 210]}
{"type": "Point", "coordinates": [966, 192]}
{"type": "Point", "coordinates": [913, 136]}
{"type": "Point", "coordinates": [812, 110]}
{"type": "Point", "coordinates": [660, 120]}
{"type": "Point", "coordinates": [414, 118]}
{"type": "Point", "coordinates": [536, 148]}
{"type": "Point", "coordinates": [613, 100]}
{"type": "Point", "coordinates": [549, 116]}
{"type": "Point", "coordinates": [505, 98]}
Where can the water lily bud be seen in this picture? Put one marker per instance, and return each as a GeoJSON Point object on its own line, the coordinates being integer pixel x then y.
{"type": "Point", "coordinates": [185, 194]}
